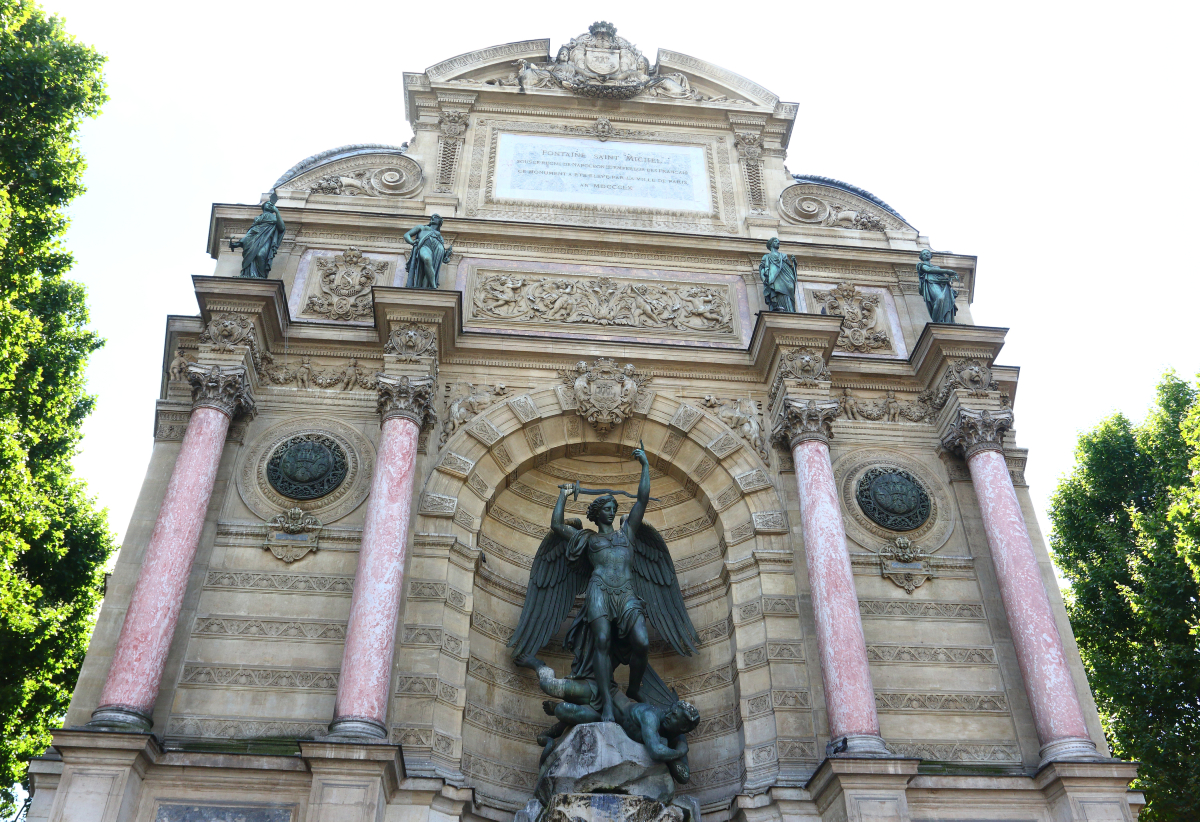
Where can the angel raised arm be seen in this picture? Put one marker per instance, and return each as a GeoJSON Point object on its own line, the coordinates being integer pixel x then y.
{"type": "Point", "coordinates": [628, 580]}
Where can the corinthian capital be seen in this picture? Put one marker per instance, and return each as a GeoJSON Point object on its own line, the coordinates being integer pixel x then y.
{"type": "Point", "coordinates": [223, 388]}
{"type": "Point", "coordinates": [976, 431]}
{"type": "Point", "coordinates": [408, 397]}
{"type": "Point", "coordinates": [802, 420]}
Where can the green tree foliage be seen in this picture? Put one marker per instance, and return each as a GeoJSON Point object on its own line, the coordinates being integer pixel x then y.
{"type": "Point", "coordinates": [53, 541]}
{"type": "Point", "coordinates": [1134, 602]}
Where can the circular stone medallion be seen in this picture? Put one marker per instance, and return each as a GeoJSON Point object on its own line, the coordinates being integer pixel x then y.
{"type": "Point", "coordinates": [893, 498]}
{"type": "Point", "coordinates": [306, 466]}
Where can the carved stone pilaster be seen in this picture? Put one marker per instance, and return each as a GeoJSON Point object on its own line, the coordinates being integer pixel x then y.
{"type": "Point", "coordinates": [750, 149]}
{"type": "Point", "coordinates": [452, 125]}
{"type": "Point", "coordinates": [224, 388]}
{"type": "Point", "coordinates": [976, 431]}
{"type": "Point", "coordinates": [802, 420]}
{"type": "Point", "coordinates": [408, 397]}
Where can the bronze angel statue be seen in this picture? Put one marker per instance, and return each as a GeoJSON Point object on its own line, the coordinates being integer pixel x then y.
{"type": "Point", "coordinates": [628, 582]}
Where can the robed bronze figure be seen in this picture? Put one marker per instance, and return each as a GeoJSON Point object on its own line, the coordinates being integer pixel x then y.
{"type": "Point", "coordinates": [934, 284]}
{"type": "Point", "coordinates": [628, 582]}
{"type": "Point", "coordinates": [428, 253]}
{"type": "Point", "coordinates": [778, 273]}
{"type": "Point", "coordinates": [261, 242]}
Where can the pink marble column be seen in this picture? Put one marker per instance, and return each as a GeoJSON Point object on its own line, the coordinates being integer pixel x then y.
{"type": "Point", "coordinates": [1057, 714]}
{"type": "Point", "coordinates": [131, 688]}
{"type": "Point", "coordinates": [364, 684]}
{"type": "Point", "coordinates": [849, 695]}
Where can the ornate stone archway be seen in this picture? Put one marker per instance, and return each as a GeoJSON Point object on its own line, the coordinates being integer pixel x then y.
{"type": "Point", "coordinates": [735, 566]}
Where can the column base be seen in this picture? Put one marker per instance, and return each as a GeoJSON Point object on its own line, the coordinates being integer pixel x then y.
{"type": "Point", "coordinates": [351, 729]}
{"type": "Point", "coordinates": [1073, 749]}
{"type": "Point", "coordinates": [102, 773]}
{"type": "Point", "coordinates": [351, 782]}
{"type": "Point", "coordinates": [119, 718]}
{"type": "Point", "coordinates": [1082, 791]}
{"type": "Point", "coordinates": [863, 789]}
{"type": "Point", "coordinates": [858, 745]}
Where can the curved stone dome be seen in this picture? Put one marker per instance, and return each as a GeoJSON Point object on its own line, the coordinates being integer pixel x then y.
{"type": "Point", "coordinates": [847, 187]}
{"type": "Point", "coordinates": [340, 153]}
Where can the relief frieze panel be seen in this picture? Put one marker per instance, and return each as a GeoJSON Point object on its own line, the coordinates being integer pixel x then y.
{"type": "Point", "coordinates": [533, 298]}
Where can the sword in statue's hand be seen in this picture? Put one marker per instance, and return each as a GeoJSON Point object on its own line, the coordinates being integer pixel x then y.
{"type": "Point", "coordinates": [576, 489]}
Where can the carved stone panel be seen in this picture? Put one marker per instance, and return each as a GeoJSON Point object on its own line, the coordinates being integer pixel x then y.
{"type": "Point", "coordinates": [534, 297]}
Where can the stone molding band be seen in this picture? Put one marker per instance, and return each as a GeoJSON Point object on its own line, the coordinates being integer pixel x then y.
{"type": "Point", "coordinates": [975, 431]}
{"type": "Point", "coordinates": [410, 398]}
{"type": "Point", "coordinates": [225, 389]}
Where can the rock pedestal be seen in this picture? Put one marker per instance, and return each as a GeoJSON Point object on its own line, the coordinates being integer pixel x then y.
{"type": "Point", "coordinates": [598, 774]}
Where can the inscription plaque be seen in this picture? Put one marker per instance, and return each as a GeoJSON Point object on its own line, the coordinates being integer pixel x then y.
{"type": "Point", "coordinates": [612, 173]}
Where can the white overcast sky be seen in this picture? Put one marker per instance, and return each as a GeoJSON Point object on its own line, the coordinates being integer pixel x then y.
{"type": "Point", "coordinates": [1056, 141]}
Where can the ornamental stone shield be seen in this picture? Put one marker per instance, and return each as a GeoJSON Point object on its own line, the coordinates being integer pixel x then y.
{"type": "Point", "coordinates": [605, 393]}
{"type": "Point", "coordinates": [603, 61]}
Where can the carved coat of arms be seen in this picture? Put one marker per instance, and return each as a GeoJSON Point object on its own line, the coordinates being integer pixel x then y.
{"type": "Point", "coordinates": [605, 392]}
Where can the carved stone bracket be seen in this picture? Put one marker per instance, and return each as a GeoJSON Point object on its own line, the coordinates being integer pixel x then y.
{"type": "Point", "coordinates": [805, 365]}
{"type": "Point", "coordinates": [225, 389]}
{"type": "Point", "coordinates": [975, 431]}
{"type": "Point", "coordinates": [411, 342]}
{"type": "Point", "coordinates": [224, 331]}
{"type": "Point", "coordinates": [802, 420]}
{"type": "Point", "coordinates": [408, 397]}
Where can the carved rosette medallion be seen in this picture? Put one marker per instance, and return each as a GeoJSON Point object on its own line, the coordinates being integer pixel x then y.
{"type": "Point", "coordinates": [409, 397]}
{"type": "Point", "coordinates": [225, 389]}
{"type": "Point", "coordinates": [307, 466]}
{"type": "Point", "coordinates": [976, 431]}
{"type": "Point", "coordinates": [606, 394]}
{"type": "Point", "coordinates": [803, 420]}
{"type": "Point", "coordinates": [886, 494]}
{"type": "Point", "coordinates": [307, 469]}
{"type": "Point", "coordinates": [893, 498]}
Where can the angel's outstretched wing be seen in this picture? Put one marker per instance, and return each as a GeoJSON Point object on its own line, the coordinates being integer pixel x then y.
{"type": "Point", "coordinates": [554, 582]}
{"type": "Point", "coordinates": [655, 582]}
